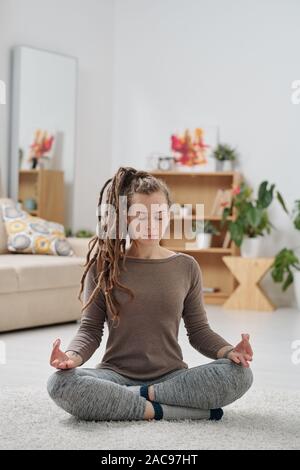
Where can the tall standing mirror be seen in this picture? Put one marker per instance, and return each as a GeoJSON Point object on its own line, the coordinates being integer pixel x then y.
{"type": "Point", "coordinates": [43, 125]}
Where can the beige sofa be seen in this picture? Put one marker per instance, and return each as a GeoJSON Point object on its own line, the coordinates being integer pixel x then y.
{"type": "Point", "coordinates": [38, 290]}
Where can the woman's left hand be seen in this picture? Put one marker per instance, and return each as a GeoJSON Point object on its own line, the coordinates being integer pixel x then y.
{"type": "Point", "coordinates": [242, 353]}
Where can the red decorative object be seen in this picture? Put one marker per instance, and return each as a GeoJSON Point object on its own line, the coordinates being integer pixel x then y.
{"type": "Point", "coordinates": [41, 146]}
{"type": "Point", "coordinates": [190, 149]}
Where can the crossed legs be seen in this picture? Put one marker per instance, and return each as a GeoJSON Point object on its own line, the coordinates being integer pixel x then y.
{"type": "Point", "coordinates": [100, 394]}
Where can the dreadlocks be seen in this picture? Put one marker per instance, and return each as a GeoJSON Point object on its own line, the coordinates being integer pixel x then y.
{"type": "Point", "coordinates": [126, 182]}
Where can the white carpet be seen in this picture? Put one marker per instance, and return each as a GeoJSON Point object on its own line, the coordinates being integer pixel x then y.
{"type": "Point", "coordinates": [262, 419]}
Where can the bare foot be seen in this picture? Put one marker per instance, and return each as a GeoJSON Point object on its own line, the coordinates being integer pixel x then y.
{"type": "Point", "coordinates": [149, 411]}
{"type": "Point", "coordinates": [151, 392]}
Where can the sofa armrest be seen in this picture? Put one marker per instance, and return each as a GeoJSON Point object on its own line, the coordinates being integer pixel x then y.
{"type": "Point", "coordinates": [79, 245]}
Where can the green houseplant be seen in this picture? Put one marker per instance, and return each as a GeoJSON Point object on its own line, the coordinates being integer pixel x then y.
{"type": "Point", "coordinates": [82, 233]}
{"type": "Point", "coordinates": [225, 155]}
{"type": "Point", "coordinates": [286, 266]}
{"type": "Point", "coordinates": [252, 218]}
{"type": "Point", "coordinates": [204, 231]}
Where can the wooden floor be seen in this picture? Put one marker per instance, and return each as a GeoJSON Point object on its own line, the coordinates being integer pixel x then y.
{"type": "Point", "coordinates": [271, 336]}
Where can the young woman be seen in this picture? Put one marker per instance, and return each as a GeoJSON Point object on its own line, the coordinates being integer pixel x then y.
{"type": "Point", "coordinates": [142, 291]}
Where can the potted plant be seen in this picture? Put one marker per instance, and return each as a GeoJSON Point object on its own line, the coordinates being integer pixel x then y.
{"type": "Point", "coordinates": [286, 267]}
{"type": "Point", "coordinates": [204, 231]}
{"type": "Point", "coordinates": [84, 234]}
{"type": "Point", "coordinates": [225, 157]}
{"type": "Point", "coordinates": [252, 219]}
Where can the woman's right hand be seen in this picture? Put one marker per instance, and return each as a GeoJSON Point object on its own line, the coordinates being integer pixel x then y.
{"type": "Point", "coordinates": [61, 360]}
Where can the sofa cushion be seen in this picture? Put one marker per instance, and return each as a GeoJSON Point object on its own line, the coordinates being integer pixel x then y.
{"type": "Point", "coordinates": [30, 234]}
{"type": "Point", "coordinates": [24, 272]}
{"type": "Point", "coordinates": [3, 234]}
{"type": "Point", "coordinates": [8, 278]}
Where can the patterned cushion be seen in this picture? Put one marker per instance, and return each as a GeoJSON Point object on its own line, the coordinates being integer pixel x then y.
{"type": "Point", "coordinates": [29, 234]}
{"type": "Point", "coordinates": [3, 234]}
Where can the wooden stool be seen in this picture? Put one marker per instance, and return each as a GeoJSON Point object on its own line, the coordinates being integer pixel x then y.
{"type": "Point", "coordinates": [248, 271]}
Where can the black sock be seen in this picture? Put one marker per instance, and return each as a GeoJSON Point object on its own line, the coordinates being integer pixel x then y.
{"type": "Point", "coordinates": [216, 414]}
{"type": "Point", "coordinates": [158, 410]}
{"type": "Point", "coordinates": [144, 392]}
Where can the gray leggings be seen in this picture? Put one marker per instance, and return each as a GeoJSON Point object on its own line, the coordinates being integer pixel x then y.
{"type": "Point", "coordinates": [102, 395]}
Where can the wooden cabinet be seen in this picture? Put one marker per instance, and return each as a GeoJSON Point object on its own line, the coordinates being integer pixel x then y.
{"type": "Point", "coordinates": [46, 187]}
{"type": "Point", "coordinates": [201, 188]}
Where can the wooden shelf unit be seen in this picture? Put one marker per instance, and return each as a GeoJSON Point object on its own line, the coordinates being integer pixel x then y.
{"type": "Point", "coordinates": [47, 188]}
{"type": "Point", "coordinates": [196, 188]}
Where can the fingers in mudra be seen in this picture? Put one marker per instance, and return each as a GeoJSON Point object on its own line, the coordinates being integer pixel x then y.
{"type": "Point", "coordinates": [242, 353]}
{"type": "Point", "coordinates": [59, 359]}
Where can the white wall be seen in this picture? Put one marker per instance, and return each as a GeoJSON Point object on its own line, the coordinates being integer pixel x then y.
{"type": "Point", "coordinates": [167, 65]}
{"type": "Point", "coordinates": [83, 29]}
{"type": "Point", "coordinates": [187, 63]}
{"type": "Point", "coordinates": [3, 108]}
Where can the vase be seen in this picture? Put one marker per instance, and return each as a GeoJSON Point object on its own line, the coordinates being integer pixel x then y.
{"type": "Point", "coordinates": [30, 204]}
{"type": "Point", "coordinates": [251, 247]}
{"type": "Point", "coordinates": [224, 165]}
{"type": "Point", "coordinates": [203, 240]}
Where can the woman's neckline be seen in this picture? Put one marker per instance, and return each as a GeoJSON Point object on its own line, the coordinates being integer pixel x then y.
{"type": "Point", "coordinates": [152, 260]}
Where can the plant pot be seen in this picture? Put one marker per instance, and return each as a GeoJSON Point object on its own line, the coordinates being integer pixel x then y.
{"type": "Point", "coordinates": [224, 165]}
{"type": "Point", "coordinates": [297, 287]}
{"type": "Point", "coordinates": [203, 240]}
{"type": "Point", "coordinates": [251, 247]}
{"type": "Point", "coordinates": [30, 204]}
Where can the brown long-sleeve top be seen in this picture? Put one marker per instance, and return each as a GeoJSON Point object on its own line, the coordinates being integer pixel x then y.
{"type": "Point", "coordinates": [145, 344]}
